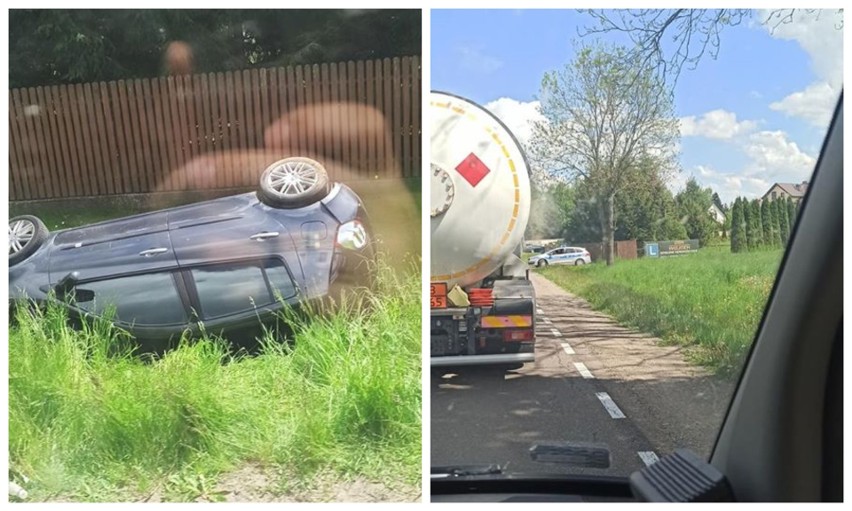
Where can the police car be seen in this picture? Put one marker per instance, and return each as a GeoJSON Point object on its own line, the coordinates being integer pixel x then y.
{"type": "Point", "coordinates": [562, 255]}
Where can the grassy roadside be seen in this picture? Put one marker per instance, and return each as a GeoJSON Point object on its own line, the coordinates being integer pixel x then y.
{"type": "Point", "coordinates": [85, 425]}
{"type": "Point", "coordinates": [711, 301]}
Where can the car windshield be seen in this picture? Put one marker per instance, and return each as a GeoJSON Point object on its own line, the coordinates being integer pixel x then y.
{"type": "Point", "coordinates": [675, 174]}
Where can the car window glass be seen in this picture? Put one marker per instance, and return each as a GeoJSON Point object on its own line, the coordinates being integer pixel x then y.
{"type": "Point", "coordinates": [149, 299]}
{"type": "Point", "coordinates": [224, 290]}
{"type": "Point", "coordinates": [280, 280]}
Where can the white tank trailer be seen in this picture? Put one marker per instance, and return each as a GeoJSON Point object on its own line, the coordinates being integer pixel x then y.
{"type": "Point", "coordinates": [482, 303]}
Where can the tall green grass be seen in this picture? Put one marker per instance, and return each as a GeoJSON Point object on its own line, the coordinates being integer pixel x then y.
{"type": "Point", "coordinates": [87, 423]}
{"type": "Point", "coordinates": [711, 302]}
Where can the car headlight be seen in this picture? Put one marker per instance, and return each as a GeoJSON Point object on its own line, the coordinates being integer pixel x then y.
{"type": "Point", "coordinates": [352, 235]}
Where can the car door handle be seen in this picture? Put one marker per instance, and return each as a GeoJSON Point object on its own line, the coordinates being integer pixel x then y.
{"type": "Point", "coordinates": [263, 235]}
{"type": "Point", "coordinates": [153, 251]}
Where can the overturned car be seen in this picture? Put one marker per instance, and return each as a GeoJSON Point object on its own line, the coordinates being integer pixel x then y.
{"type": "Point", "coordinates": [227, 266]}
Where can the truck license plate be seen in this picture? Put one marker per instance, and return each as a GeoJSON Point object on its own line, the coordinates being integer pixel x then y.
{"type": "Point", "coordinates": [438, 292]}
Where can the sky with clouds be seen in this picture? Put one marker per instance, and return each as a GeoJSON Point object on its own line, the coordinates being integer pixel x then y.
{"type": "Point", "coordinates": [754, 116]}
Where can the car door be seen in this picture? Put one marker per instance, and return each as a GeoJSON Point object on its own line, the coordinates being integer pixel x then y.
{"type": "Point", "coordinates": [229, 228]}
{"type": "Point", "coordinates": [571, 255]}
{"type": "Point", "coordinates": [239, 299]}
{"type": "Point", "coordinates": [555, 256]}
{"type": "Point", "coordinates": [139, 243]}
{"type": "Point", "coordinates": [152, 306]}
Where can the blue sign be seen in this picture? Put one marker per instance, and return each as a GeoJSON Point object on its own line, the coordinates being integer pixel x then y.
{"type": "Point", "coordinates": [652, 250]}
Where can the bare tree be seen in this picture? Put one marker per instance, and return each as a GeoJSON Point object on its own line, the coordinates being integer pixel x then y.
{"type": "Point", "coordinates": [604, 124]}
{"type": "Point", "coordinates": [667, 39]}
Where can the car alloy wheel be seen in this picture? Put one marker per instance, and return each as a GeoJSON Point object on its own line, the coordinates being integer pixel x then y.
{"type": "Point", "coordinates": [293, 182]}
{"type": "Point", "coordinates": [26, 234]}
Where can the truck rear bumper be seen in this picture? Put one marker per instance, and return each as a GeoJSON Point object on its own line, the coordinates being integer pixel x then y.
{"type": "Point", "coordinates": [475, 360]}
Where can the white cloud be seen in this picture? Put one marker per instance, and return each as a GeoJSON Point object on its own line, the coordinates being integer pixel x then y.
{"type": "Point", "coordinates": [729, 186]}
{"type": "Point", "coordinates": [719, 124]}
{"type": "Point", "coordinates": [774, 157]}
{"type": "Point", "coordinates": [518, 116]}
{"type": "Point", "coordinates": [815, 104]}
{"type": "Point", "coordinates": [472, 57]}
{"type": "Point", "coordinates": [818, 36]}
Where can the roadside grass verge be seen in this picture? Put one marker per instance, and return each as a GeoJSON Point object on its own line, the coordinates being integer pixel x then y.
{"type": "Point", "coordinates": [89, 424]}
{"type": "Point", "coordinates": [711, 302]}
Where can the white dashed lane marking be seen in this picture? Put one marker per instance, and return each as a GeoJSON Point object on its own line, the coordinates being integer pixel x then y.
{"type": "Point", "coordinates": [539, 311]}
{"type": "Point", "coordinates": [567, 348]}
{"type": "Point", "coordinates": [583, 370]}
{"type": "Point", "coordinates": [555, 332]}
{"type": "Point", "coordinates": [610, 406]}
{"type": "Point", "coordinates": [648, 457]}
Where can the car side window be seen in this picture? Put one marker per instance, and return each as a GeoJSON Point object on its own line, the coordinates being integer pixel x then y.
{"type": "Point", "coordinates": [147, 299]}
{"type": "Point", "coordinates": [280, 280]}
{"type": "Point", "coordinates": [229, 289]}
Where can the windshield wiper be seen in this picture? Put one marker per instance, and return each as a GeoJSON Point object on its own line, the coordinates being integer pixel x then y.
{"type": "Point", "coordinates": [466, 470]}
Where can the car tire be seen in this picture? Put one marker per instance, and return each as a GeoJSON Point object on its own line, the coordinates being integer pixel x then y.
{"type": "Point", "coordinates": [308, 183]}
{"type": "Point", "coordinates": [26, 234]}
{"type": "Point", "coordinates": [579, 262]}
{"type": "Point", "coordinates": [541, 263]}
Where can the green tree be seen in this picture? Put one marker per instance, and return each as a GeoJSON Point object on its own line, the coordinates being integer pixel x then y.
{"type": "Point", "coordinates": [55, 46]}
{"type": "Point", "coordinates": [793, 209]}
{"type": "Point", "coordinates": [737, 231]}
{"type": "Point", "coordinates": [693, 204]}
{"type": "Point", "coordinates": [776, 209]}
{"type": "Point", "coordinates": [783, 221]}
{"type": "Point", "coordinates": [755, 229]}
{"type": "Point", "coordinates": [603, 124]}
{"type": "Point", "coordinates": [766, 223]}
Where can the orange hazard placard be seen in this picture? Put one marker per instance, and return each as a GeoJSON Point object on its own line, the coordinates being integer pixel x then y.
{"type": "Point", "coordinates": [438, 293]}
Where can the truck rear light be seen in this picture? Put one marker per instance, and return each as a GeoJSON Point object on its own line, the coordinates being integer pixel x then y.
{"type": "Point", "coordinates": [518, 335]}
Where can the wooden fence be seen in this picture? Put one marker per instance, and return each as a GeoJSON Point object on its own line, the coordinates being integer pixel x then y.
{"type": "Point", "coordinates": [214, 130]}
{"type": "Point", "coordinates": [625, 249]}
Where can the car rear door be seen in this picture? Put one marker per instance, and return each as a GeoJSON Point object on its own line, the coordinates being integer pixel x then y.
{"type": "Point", "coordinates": [127, 245]}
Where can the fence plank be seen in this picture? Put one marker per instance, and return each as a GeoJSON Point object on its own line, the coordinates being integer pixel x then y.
{"type": "Point", "coordinates": [405, 90]}
{"type": "Point", "coordinates": [122, 176]}
{"type": "Point", "coordinates": [34, 120]}
{"type": "Point", "coordinates": [54, 140]}
{"type": "Point", "coordinates": [259, 103]}
{"type": "Point", "coordinates": [74, 107]}
{"type": "Point", "coordinates": [141, 175]}
{"type": "Point", "coordinates": [387, 93]}
{"type": "Point", "coordinates": [106, 165]}
{"type": "Point", "coordinates": [397, 116]}
{"type": "Point", "coordinates": [97, 167]}
{"type": "Point", "coordinates": [416, 128]}
{"type": "Point", "coordinates": [16, 157]}
{"type": "Point", "coordinates": [226, 124]}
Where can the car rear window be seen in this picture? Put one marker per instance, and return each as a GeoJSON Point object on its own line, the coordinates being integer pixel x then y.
{"type": "Point", "coordinates": [149, 299]}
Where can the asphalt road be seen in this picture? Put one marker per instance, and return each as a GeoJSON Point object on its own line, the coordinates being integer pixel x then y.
{"type": "Point", "coordinates": [594, 383]}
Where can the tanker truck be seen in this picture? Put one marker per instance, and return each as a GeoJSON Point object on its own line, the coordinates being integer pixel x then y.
{"type": "Point", "coordinates": [482, 300]}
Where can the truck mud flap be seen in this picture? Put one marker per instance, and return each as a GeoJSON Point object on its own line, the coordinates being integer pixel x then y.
{"type": "Point", "coordinates": [474, 360]}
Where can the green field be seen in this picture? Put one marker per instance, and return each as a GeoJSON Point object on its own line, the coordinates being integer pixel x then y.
{"type": "Point", "coordinates": [711, 302]}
